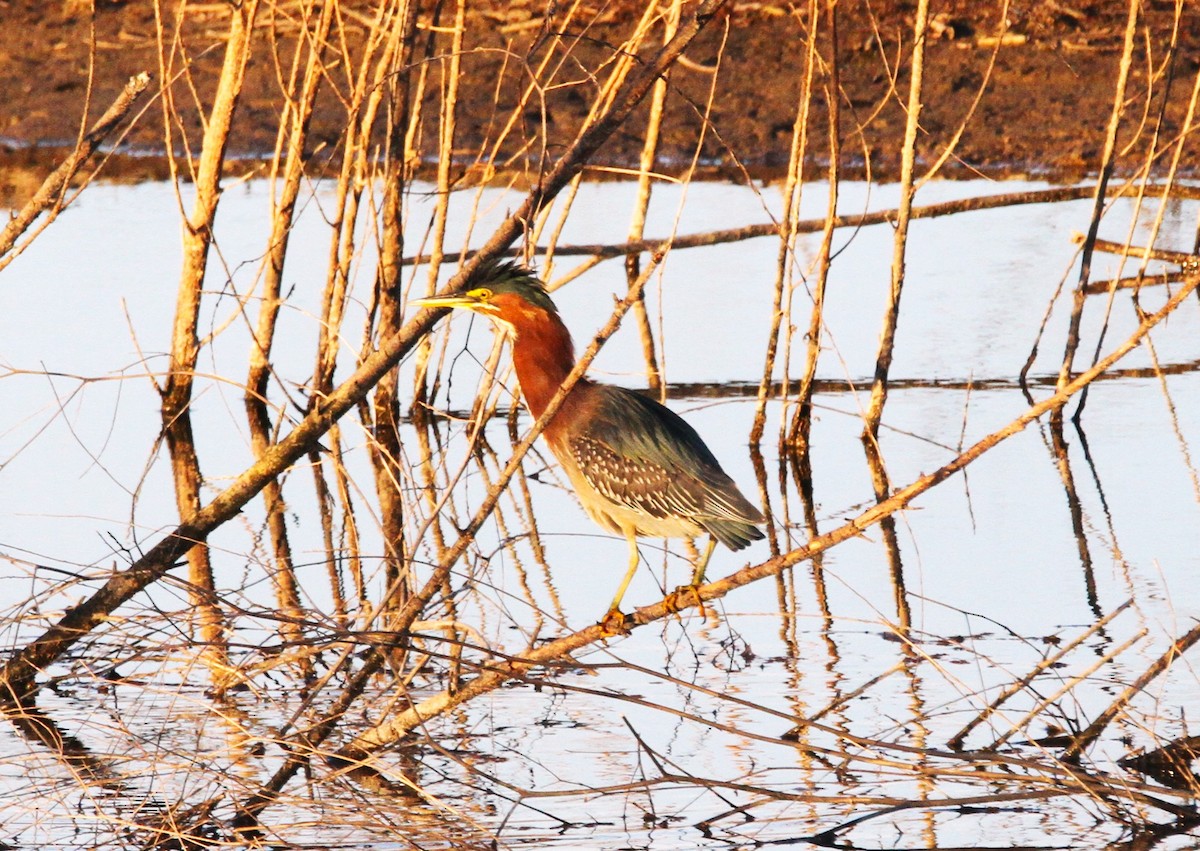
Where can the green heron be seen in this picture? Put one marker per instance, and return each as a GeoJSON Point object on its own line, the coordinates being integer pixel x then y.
{"type": "Point", "coordinates": [637, 467]}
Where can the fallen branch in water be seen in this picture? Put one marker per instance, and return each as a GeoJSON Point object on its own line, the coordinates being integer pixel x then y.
{"type": "Point", "coordinates": [606, 251]}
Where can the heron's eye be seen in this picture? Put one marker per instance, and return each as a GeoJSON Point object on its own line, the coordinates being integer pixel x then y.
{"type": "Point", "coordinates": [483, 294]}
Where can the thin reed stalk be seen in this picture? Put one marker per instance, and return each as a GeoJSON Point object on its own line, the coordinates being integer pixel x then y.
{"type": "Point", "coordinates": [887, 337]}
{"type": "Point", "coordinates": [1071, 343]}
{"type": "Point", "coordinates": [646, 164]}
{"type": "Point", "coordinates": [1087, 736]}
{"type": "Point", "coordinates": [1049, 662]}
{"type": "Point", "coordinates": [384, 418]}
{"type": "Point", "coordinates": [786, 228]}
{"type": "Point", "coordinates": [798, 434]}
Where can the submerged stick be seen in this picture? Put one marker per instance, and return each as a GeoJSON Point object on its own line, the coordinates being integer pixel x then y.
{"type": "Point", "coordinates": [1166, 255]}
{"type": "Point", "coordinates": [287, 171]}
{"type": "Point", "coordinates": [955, 742]}
{"type": "Point", "coordinates": [1161, 664]}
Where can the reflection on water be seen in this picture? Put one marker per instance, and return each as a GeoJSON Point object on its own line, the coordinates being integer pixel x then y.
{"type": "Point", "coordinates": [912, 688]}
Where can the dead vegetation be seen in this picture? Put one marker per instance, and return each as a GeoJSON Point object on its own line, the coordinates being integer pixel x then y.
{"type": "Point", "coordinates": [333, 713]}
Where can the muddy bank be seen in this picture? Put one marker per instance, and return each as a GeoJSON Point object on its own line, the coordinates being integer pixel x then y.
{"type": "Point", "coordinates": [1043, 111]}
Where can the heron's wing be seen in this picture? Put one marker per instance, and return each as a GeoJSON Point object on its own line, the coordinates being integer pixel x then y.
{"type": "Point", "coordinates": [643, 456]}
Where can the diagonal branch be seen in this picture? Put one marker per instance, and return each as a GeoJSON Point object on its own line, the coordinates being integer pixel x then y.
{"type": "Point", "coordinates": [49, 194]}
{"type": "Point", "coordinates": [500, 673]}
{"type": "Point", "coordinates": [18, 673]}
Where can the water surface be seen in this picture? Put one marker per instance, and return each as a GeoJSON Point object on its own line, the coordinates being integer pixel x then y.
{"type": "Point", "coordinates": [672, 737]}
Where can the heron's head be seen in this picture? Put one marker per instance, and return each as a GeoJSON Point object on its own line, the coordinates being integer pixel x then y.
{"type": "Point", "coordinates": [504, 291]}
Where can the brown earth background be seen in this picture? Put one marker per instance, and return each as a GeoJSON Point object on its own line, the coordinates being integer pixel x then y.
{"type": "Point", "coordinates": [1043, 110]}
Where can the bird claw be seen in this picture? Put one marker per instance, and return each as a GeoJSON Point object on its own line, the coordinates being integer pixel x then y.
{"type": "Point", "coordinates": [613, 623]}
{"type": "Point", "coordinates": [675, 601]}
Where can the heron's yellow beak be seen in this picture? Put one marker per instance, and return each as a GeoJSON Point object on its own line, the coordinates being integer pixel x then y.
{"type": "Point", "coordinates": [476, 300]}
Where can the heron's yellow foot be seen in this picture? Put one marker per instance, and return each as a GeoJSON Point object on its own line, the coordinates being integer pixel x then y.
{"type": "Point", "coordinates": [677, 599]}
{"type": "Point", "coordinates": [613, 623]}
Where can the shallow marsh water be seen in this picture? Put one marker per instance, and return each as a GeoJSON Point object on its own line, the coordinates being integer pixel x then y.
{"type": "Point", "coordinates": [995, 577]}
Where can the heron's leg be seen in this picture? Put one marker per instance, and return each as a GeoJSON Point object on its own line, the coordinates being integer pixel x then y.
{"type": "Point", "coordinates": [702, 564]}
{"type": "Point", "coordinates": [614, 621]}
{"type": "Point", "coordinates": [675, 600]}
